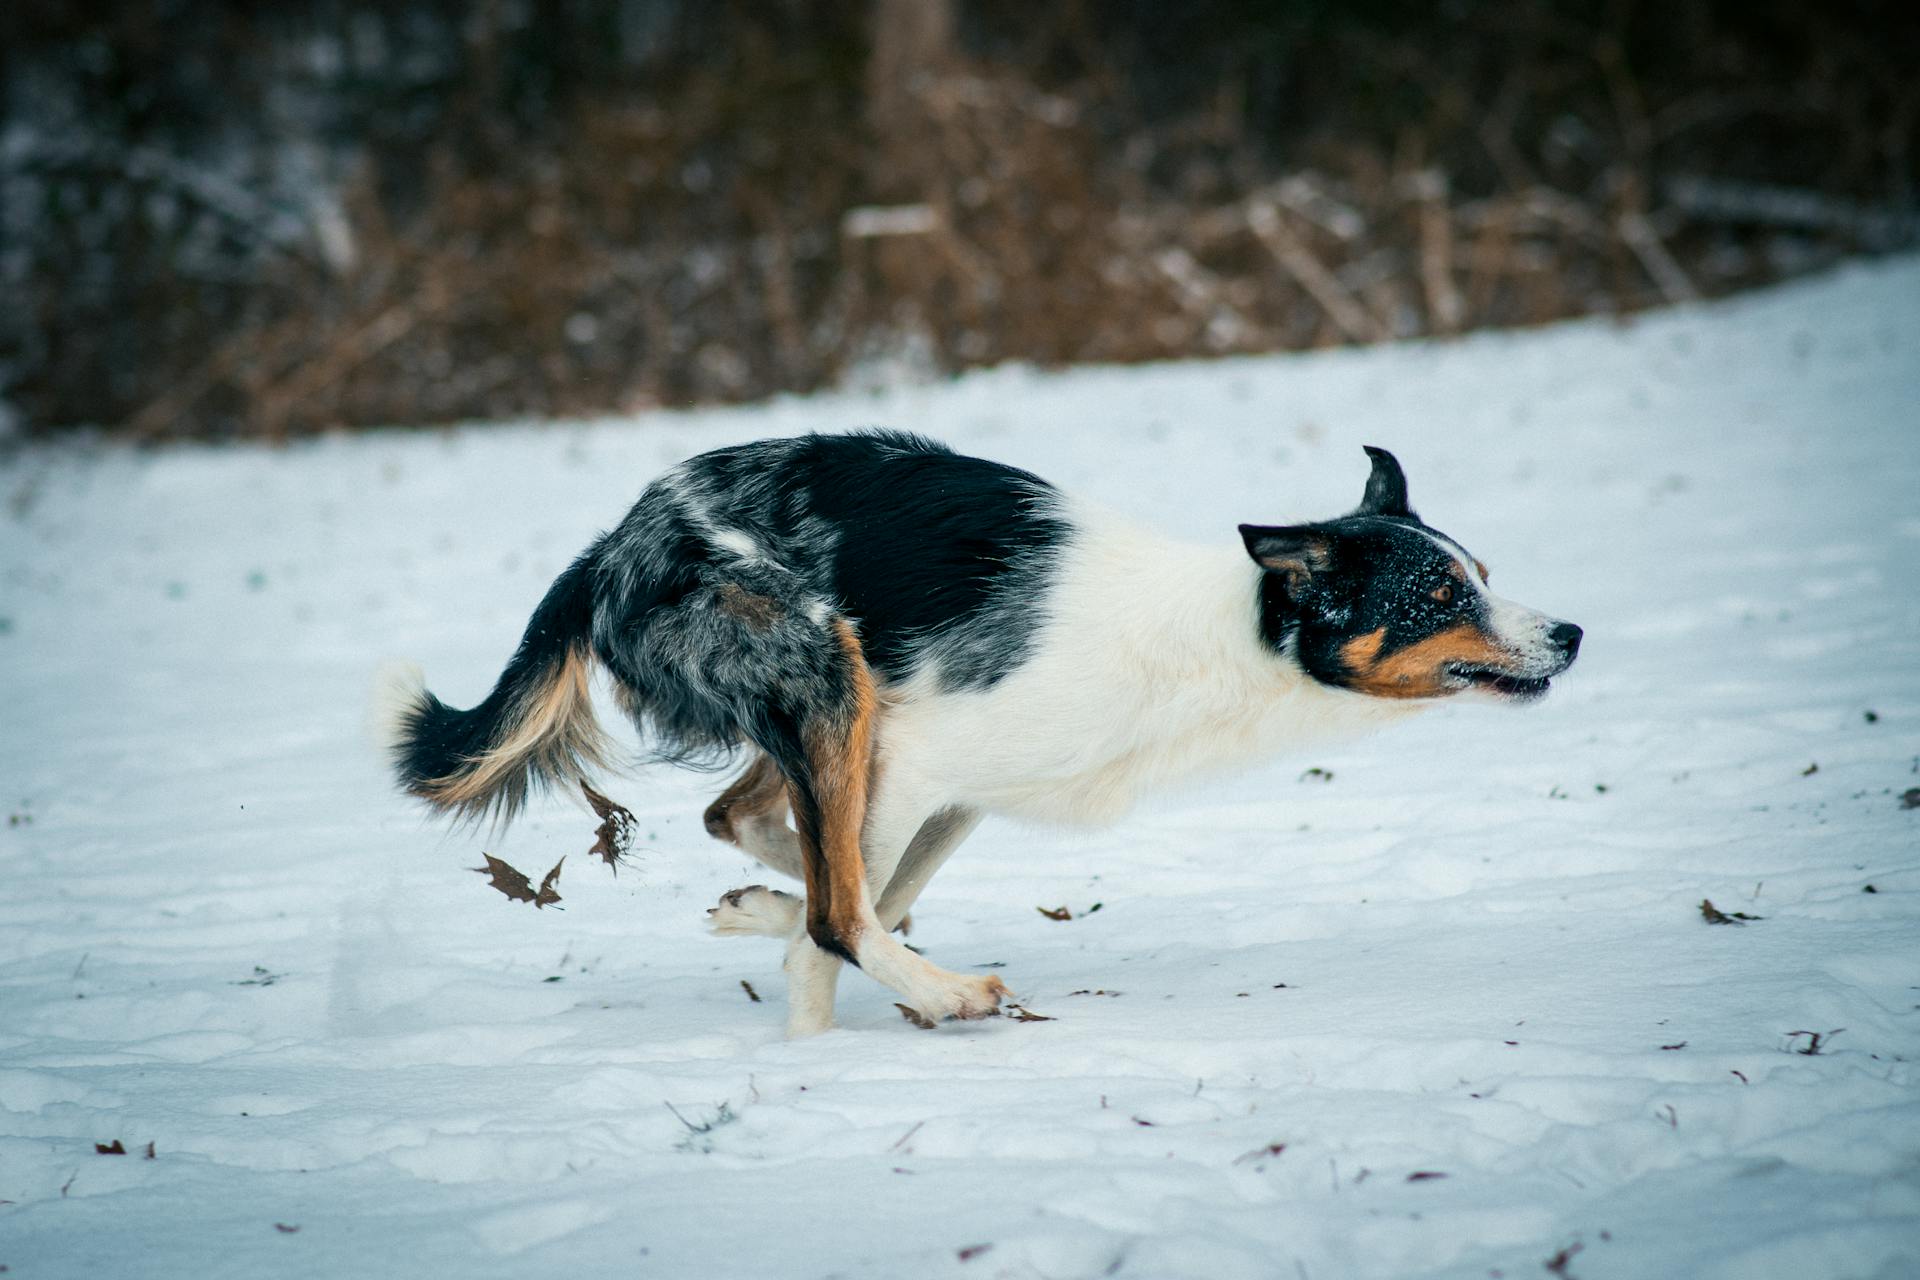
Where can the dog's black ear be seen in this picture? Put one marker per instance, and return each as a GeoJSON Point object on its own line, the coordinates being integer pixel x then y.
{"type": "Point", "coordinates": [1295, 552]}
{"type": "Point", "coordinates": [1386, 493]}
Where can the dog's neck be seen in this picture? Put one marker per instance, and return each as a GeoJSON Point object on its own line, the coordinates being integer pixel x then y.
{"type": "Point", "coordinates": [1185, 628]}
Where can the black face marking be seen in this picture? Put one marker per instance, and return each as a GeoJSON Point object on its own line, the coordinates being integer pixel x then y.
{"type": "Point", "coordinates": [1382, 577]}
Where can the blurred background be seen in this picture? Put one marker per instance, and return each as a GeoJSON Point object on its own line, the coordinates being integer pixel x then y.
{"type": "Point", "coordinates": [224, 219]}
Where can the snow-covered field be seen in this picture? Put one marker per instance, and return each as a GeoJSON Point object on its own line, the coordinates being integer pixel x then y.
{"type": "Point", "coordinates": [1452, 1010]}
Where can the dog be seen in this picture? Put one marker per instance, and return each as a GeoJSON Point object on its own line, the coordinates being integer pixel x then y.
{"type": "Point", "coordinates": [906, 639]}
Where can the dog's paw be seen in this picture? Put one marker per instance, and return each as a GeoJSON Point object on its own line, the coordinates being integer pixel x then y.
{"type": "Point", "coordinates": [755, 912]}
{"type": "Point", "coordinates": [982, 998]}
{"type": "Point", "coordinates": [962, 999]}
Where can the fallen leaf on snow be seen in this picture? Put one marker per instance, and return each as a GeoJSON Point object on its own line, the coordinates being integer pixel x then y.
{"type": "Point", "coordinates": [1557, 1264]}
{"type": "Point", "coordinates": [613, 838]}
{"type": "Point", "coordinates": [516, 886]}
{"type": "Point", "coordinates": [1262, 1153]}
{"type": "Point", "coordinates": [1714, 915]}
{"type": "Point", "coordinates": [1019, 1014]}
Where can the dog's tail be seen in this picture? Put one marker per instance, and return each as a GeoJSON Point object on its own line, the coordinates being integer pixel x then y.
{"type": "Point", "coordinates": [536, 729]}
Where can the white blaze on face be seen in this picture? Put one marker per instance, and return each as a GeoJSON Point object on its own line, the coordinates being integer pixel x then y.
{"type": "Point", "coordinates": [1525, 633]}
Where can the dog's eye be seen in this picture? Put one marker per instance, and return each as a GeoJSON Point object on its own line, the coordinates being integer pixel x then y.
{"type": "Point", "coordinates": [1444, 593]}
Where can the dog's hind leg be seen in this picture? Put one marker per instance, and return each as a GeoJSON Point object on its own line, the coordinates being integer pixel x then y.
{"type": "Point", "coordinates": [760, 912]}
{"type": "Point", "coordinates": [752, 815]}
{"type": "Point", "coordinates": [827, 756]}
{"type": "Point", "coordinates": [757, 912]}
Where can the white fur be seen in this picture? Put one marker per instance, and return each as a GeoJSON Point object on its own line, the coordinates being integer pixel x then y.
{"type": "Point", "coordinates": [756, 912]}
{"type": "Point", "coordinates": [1523, 631]}
{"type": "Point", "coordinates": [398, 687]}
{"type": "Point", "coordinates": [1150, 669]}
{"type": "Point", "coordinates": [813, 977]}
{"type": "Point", "coordinates": [739, 544]}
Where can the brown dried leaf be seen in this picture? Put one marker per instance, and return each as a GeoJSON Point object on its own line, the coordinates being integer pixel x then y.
{"type": "Point", "coordinates": [1056, 913]}
{"type": "Point", "coordinates": [114, 1148]}
{"type": "Point", "coordinates": [506, 879]}
{"type": "Point", "coordinates": [751, 993]}
{"type": "Point", "coordinates": [1815, 1039]}
{"type": "Point", "coordinates": [1019, 1014]}
{"type": "Point", "coordinates": [1558, 1263]}
{"type": "Point", "coordinates": [516, 885]}
{"type": "Point", "coordinates": [972, 1251]}
{"type": "Point", "coordinates": [613, 838]}
{"type": "Point", "coordinates": [1910, 798]}
{"type": "Point", "coordinates": [1424, 1175]}
{"type": "Point", "coordinates": [548, 894]}
{"type": "Point", "coordinates": [1262, 1153]}
{"type": "Point", "coordinates": [1714, 915]}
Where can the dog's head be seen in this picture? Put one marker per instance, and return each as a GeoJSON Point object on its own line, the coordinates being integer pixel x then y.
{"type": "Point", "coordinates": [1379, 603]}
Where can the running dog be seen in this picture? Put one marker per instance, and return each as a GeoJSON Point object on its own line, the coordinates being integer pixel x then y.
{"type": "Point", "coordinates": [907, 639]}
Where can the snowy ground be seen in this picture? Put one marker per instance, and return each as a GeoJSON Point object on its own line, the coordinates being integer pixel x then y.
{"type": "Point", "coordinates": [1453, 1011]}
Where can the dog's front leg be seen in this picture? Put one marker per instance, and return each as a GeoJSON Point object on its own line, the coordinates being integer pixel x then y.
{"type": "Point", "coordinates": [813, 976]}
{"type": "Point", "coordinates": [938, 837]}
{"type": "Point", "coordinates": [906, 837]}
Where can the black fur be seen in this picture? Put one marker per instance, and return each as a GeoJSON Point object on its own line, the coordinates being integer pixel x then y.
{"type": "Point", "coordinates": [935, 558]}
{"type": "Point", "coordinates": [939, 561]}
{"type": "Point", "coordinates": [938, 553]}
{"type": "Point", "coordinates": [1373, 570]}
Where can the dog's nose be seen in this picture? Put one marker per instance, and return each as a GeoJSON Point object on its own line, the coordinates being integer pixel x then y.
{"type": "Point", "coordinates": [1567, 636]}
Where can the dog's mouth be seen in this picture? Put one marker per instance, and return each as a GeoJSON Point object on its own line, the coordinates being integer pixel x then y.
{"type": "Point", "coordinates": [1503, 684]}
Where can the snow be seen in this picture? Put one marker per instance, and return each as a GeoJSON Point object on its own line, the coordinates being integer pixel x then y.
{"type": "Point", "coordinates": [1466, 953]}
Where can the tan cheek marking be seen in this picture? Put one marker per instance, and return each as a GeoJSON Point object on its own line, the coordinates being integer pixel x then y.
{"type": "Point", "coordinates": [1360, 652]}
{"type": "Point", "coordinates": [1481, 569]}
{"type": "Point", "coordinates": [1419, 670]}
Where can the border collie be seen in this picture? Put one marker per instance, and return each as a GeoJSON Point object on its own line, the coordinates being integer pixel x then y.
{"type": "Point", "coordinates": [906, 640]}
